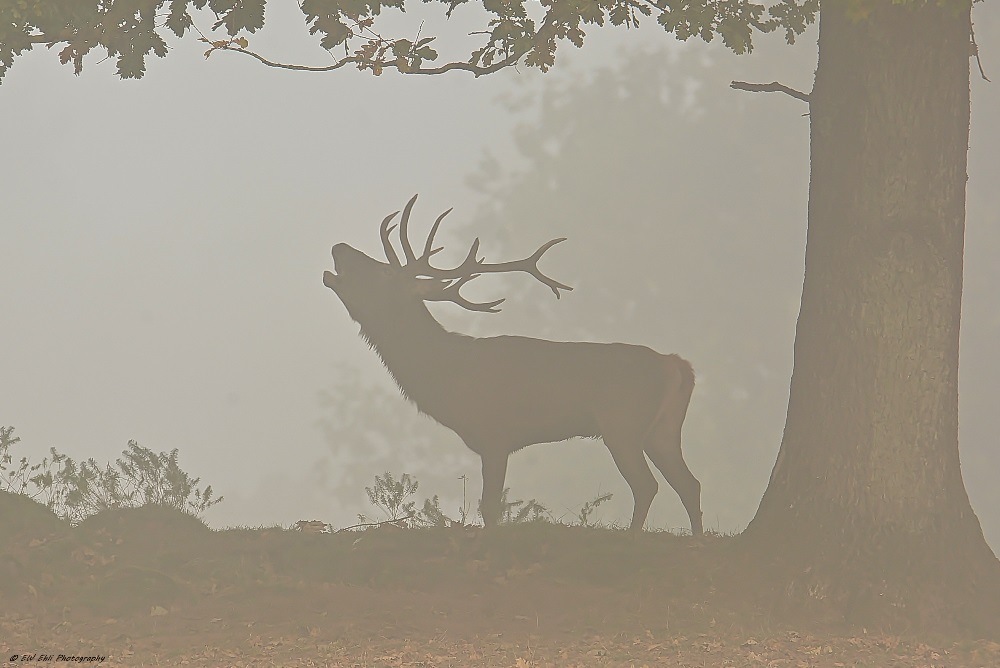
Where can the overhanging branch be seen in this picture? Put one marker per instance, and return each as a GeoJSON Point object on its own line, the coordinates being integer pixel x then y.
{"type": "Point", "coordinates": [476, 70]}
{"type": "Point", "coordinates": [773, 87]}
{"type": "Point", "coordinates": [132, 30]}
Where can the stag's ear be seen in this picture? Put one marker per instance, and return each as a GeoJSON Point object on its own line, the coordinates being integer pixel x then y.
{"type": "Point", "coordinates": [330, 280]}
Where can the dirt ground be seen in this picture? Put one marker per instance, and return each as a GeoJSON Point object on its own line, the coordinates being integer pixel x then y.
{"type": "Point", "coordinates": [155, 587]}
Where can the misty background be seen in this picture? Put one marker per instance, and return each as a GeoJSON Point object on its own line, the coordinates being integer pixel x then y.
{"type": "Point", "coordinates": [162, 243]}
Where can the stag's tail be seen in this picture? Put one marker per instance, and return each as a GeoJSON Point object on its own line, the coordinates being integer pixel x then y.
{"type": "Point", "coordinates": [687, 374]}
{"type": "Point", "coordinates": [676, 394]}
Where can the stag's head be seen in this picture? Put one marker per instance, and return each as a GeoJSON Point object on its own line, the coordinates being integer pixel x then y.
{"type": "Point", "coordinates": [370, 287]}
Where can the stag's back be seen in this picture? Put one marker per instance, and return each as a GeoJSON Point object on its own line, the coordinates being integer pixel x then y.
{"type": "Point", "coordinates": [521, 390]}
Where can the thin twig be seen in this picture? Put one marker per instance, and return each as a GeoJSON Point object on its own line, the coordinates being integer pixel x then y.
{"type": "Point", "coordinates": [375, 524]}
{"type": "Point", "coordinates": [975, 52]}
{"type": "Point", "coordinates": [476, 70]}
{"type": "Point", "coordinates": [773, 87]}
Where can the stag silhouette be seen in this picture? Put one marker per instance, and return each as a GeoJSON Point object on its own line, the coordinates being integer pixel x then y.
{"type": "Point", "coordinates": [503, 393]}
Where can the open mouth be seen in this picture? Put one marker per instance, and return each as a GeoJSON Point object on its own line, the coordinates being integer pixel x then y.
{"type": "Point", "coordinates": [330, 279]}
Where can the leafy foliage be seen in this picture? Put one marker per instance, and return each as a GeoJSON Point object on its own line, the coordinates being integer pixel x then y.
{"type": "Point", "coordinates": [519, 511]}
{"type": "Point", "coordinates": [394, 498]}
{"type": "Point", "coordinates": [390, 496]}
{"type": "Point", "coordinates": [588, 508]}
{"type": "Point", "coordinates": [129, 30]}
{"type": "Point", "coordinates": [15, 481]}
{"type": "Point", "coordinates": [75, 491]}
{"type": "Point", "coordinates": [432, 515]}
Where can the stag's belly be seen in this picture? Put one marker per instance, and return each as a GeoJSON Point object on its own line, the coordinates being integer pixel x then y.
{"type": "Point", "coordinates": [516, 419]}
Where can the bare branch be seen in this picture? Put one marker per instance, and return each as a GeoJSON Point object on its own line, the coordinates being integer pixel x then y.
{"type": "Point", "coordinates": [476, 70]}
{"type": "Point", "coordinates": [773, 87]}
{"type": "Point", "coordinates": [378, 524]}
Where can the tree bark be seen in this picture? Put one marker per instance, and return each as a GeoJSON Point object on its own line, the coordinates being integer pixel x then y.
{"type": "Point", "coordinates": [866, 503]}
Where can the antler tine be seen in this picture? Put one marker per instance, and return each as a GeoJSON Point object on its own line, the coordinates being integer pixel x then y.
{"type": "Point", "coordinates": [384, 230]}
{"type": "Point", "coordinates": [430, 237]}
{"type": "Point", "coordinates": [404, 235]}
{"type": "Point", "coordinates": [422, 265]}
{"type": "Point", "coordinates": [533, 269]}
{"type": "Point", "coordinates": [529, 265]}
{"type": "Point", "coordinates": [472, 265]}
{"type": "Point", "coordinates": [469, 264]}
{"type": "Point", "coordinates": [451, 294]}
{"type": "Point", "coordinates": [470, 268]}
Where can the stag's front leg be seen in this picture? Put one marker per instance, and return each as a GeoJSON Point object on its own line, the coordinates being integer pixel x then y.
{"type": "Point", "coordinates": [494, 473]}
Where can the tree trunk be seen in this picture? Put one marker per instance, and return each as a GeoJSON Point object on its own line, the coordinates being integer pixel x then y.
{"type": "Point", "coordinates": [866, 502]}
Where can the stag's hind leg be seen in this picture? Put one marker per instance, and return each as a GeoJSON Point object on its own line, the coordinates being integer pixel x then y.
{"type": "Point", "coordinates": [630, 460]}
{"type": "Point", "coordinates": [664, 450]}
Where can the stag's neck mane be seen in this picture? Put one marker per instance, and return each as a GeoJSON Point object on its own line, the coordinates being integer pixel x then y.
{"type": "Point", "coordinates": [413, 345]}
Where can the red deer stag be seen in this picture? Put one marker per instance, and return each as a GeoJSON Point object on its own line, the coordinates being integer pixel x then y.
{"type": "Point", "coordinates": [502, 393]}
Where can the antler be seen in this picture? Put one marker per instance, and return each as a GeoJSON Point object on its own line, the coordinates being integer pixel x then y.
{"type": "Point", "coordinates": [384, 230]}
{"type": "Point", "coordinates": [404, 236]}
{"type": "Point", "coordinates": [448, 282]}
{"type": "Point", "coordinates": [448, 291]}
{"type": "Point", "coordinates": [473, 267]}
{"type": "Point", "coordinates": [404, 233]}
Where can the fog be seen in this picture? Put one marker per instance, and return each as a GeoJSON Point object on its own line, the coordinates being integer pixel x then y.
{"type": "Point", "coordinates": [163, 243]}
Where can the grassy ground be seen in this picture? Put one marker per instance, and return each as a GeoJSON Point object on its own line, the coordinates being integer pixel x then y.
{"type": "Point", "coordinates": [154, 587]}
